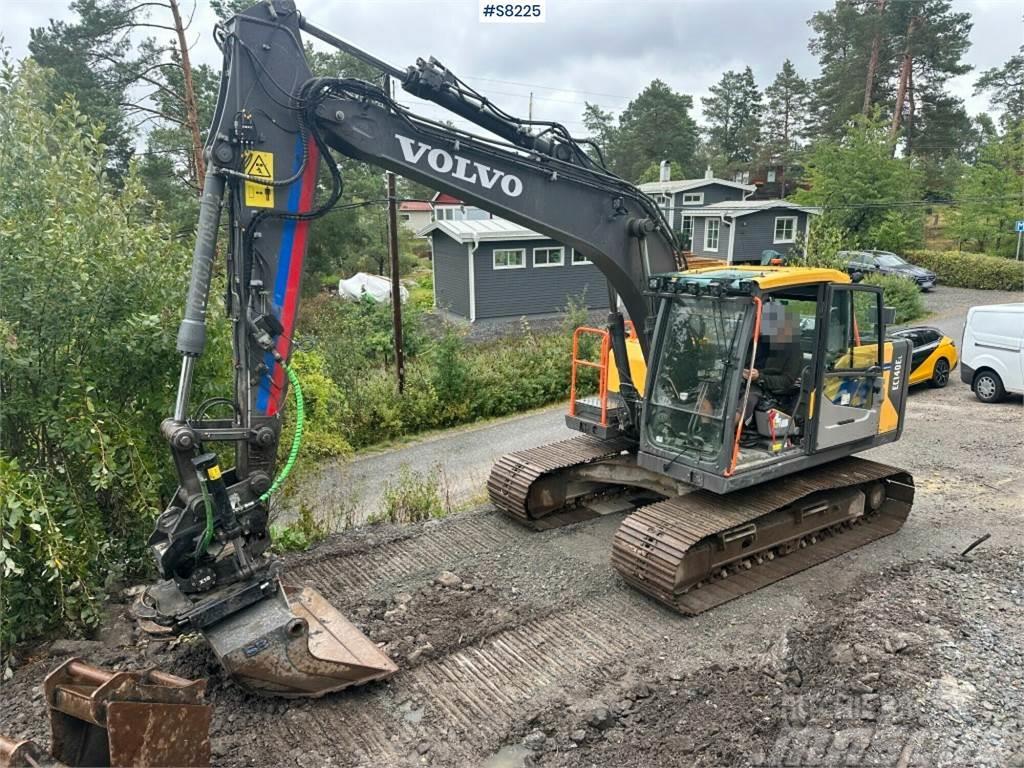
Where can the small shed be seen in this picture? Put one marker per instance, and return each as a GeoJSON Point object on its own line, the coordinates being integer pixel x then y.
{"type": "Point", "coordinates": [739, 231]}
{"type": "Point", "coordinates": [493, 268]}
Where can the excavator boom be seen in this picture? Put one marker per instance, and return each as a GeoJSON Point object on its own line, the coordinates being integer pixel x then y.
{"type": "Point", "coordinates": [269, 152]}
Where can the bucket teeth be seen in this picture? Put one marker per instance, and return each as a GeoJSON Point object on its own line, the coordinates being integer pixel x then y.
{"type": "Point", "coordinates": [296, 644]}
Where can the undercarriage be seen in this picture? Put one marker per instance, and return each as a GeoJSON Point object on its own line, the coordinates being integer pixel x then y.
{"type": "Point", "coordinates": [692, 549]}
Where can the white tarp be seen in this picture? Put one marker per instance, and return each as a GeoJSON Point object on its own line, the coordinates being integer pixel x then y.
{"type": "Point", "coordinates": [376, 287]}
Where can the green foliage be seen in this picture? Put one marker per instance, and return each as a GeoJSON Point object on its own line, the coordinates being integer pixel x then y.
{"type": "Point", "coordinates": [858, 181]}
{"type": "Point", "coordinates": [733, 114]}
{"type": "Point", "coordinates": [355, 337]}
{"type": "Point", "coordinates": [929, 32]}
{"type": "Point", "coordinates": [992, 196]}
{"type": "Point", "coordinates": [91, 298]}
{"type": "Point", "coordinates": [822, 247]}
{"type": "Point", "coordinates": [972, 270]}
{"type": "Point", "coordinates": [301, 534]}
{"type": "Point", "coordinates": [326, 409]}
{"type": "Point", "coordinates": [787, 110]}
{"type": "Point", "coordinates": [656, 126]}
{"type": "Point", "coordinates": [653, 172]}
{"type": "Point", "coordinates": [411, 498]}
{"type": "Point", "coordinates": [451, 377]}
{"type": "Point", "coordinates": [89, 57]}
{"type": "Point", "coordinates": [901, 294]}
{"type": "Point", "coordinates": [1005, 88]}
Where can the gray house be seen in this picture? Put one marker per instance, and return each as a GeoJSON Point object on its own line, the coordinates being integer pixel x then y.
{"type": "Point", "coordinates": [678, 199]}
{"type": "Point", "coordinates": [738, 232]}
{"type": "Point", "coordinates": [493, 268]}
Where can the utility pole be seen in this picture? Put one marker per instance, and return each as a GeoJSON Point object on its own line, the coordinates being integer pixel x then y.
{"type": "Point", "coordinates": [396, 285]}
{"type": "Point", "coordinates": [529, 111]}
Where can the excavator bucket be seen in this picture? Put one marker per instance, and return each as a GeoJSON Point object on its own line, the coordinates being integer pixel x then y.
{"type": "Point", "coordinates": [101, 718]}
{"type": "Point", "coordinates": [296, 644]}
{"type": "Point", "coordinates": [20, 754]}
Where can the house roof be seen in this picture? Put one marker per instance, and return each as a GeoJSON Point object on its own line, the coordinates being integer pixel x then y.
{"type": "Point", "coordinates": [415, 205]}
{"type": "Point", "coordinates": [479, 230]}
{"type": "Point", "coordinates": [682, 185]}
{"type": "Point", "coordinates": [737, 208]}
{"type": "Point", "coordinates": [443, 198]}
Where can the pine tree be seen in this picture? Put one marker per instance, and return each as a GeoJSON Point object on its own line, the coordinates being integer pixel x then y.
{"type": "Point", "coordinates": [88, 58]}
{"type": "Point", "coordinates": [733, 114]}
{"type": "Point", "coordinates": [854, 52]}
{"type": "Point", "coordinates": [785, 119]}
{"type": "Point", "coordinates": [1005, 87]}
{"type": "Point", "coordinates": [655, 126]}
{"type": "Point", "coordinates": [600, 125]}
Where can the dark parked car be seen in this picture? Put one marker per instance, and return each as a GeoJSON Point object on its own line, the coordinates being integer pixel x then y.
{"type": "Point", "coordinates": [888, 263]}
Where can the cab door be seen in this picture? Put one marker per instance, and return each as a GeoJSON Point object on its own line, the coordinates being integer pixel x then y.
{"type": "Point", "coordinates": [850, 366]}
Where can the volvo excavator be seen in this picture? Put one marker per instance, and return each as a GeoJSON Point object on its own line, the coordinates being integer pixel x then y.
{"type": "Point", "coordinates": [728, 486]}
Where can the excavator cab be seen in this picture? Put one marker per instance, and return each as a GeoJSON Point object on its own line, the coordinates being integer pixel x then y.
{"type": "Point", "coordinates": [825, 382]}
{"type": "Point", "coordinates": [760, 384]}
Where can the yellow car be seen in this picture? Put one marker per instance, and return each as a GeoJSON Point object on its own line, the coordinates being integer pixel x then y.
{"type": "Point", "coordinates": [934, 355]}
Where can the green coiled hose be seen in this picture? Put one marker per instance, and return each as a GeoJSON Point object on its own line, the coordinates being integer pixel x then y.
{"type": "Point", "coordinates": [300, 420]}
{"type": "Point", "coordinates": [293, 454]}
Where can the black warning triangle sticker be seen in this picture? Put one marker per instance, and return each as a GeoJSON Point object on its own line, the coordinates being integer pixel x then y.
{"type": "Point", "coordinates": [257, 167]}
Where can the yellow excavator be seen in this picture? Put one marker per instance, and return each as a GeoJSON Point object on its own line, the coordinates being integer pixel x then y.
{"type": "Point", "coordinates": [726, 410]}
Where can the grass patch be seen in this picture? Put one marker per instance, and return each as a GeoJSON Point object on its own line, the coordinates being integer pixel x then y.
{"type": "Point", "coordinates": [413, 497]}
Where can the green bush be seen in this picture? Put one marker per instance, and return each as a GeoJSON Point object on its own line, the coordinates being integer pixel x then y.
{"type": "Point", "coordinates": [326, 409]}
{"type": "Point", "coordinates": [301, 534]}
{"type": "Point", "coordinates": [901, 294]}
{"type": "Point", "coordinates": [411, 498]}
{"type": "Point", "coordinates": [972, 270]}
{"type": "Point", "coordinates": [92, 292]}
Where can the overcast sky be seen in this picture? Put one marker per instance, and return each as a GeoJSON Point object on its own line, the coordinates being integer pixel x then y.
{"type": "Point", "coordinates": [593, 50]}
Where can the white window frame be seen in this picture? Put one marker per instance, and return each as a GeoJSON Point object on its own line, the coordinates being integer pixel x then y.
{"type": "Point", "coordinates": [775, 232]}
{"type": "Point", "coordinates": [718, 233]}
{"type": "Point", "coordinates": [520, 251]}
{"type": "Point", "coordinates": [582, 260]}
{"type": "Point", "coordinates": [693, 198]}
{"type": "Point", "coordinates": [561, 256]}
{"type": "Point", "coordinates": [445, 213]}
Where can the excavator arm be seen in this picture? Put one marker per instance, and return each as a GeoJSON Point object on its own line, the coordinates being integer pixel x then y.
{"type": "Point", "coordinates": [270, 167]}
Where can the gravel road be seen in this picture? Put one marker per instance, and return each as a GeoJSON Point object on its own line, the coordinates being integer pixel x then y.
{"type": "Point", "coordinates": [519, 648]}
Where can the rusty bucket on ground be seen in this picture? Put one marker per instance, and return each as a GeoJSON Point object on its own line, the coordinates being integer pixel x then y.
{"type": "Point", "coordinates": [20, 754]}
{"type": "Point", "coordinates": [151, 718]}
{"type": "Point", "coordinates": [296, 644]}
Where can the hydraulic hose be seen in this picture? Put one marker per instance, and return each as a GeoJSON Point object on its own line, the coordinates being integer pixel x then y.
{"type": "Point", "coordinates": [300, 420]}
{"type": "Point", "coordinates": [293, 454]}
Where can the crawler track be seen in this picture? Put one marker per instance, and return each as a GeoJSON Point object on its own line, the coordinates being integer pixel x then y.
{"type": "Point", "coordinates": [531, 486]}
{"type": "Point", "coordinates": [700, 550]}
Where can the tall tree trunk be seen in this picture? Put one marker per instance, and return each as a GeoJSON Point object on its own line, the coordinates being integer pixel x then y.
{"type": "Point", "coordinates": [876, 44]}
{"type": "Point", "coordinates": [910, 111]}
{"type": "Point", "coordinates": [785, 149]}
{"type": "Point", "coordinates": [191, 110]}
{"type": "Point", "coordinates": [901, 88]}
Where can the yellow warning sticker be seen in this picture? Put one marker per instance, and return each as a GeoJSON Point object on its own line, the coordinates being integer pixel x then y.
{"type": "Point", "coordinates": [261, 165]}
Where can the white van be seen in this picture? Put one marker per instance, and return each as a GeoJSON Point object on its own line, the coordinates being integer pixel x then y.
{"type": "Point", "coordinates": [992, 351]}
